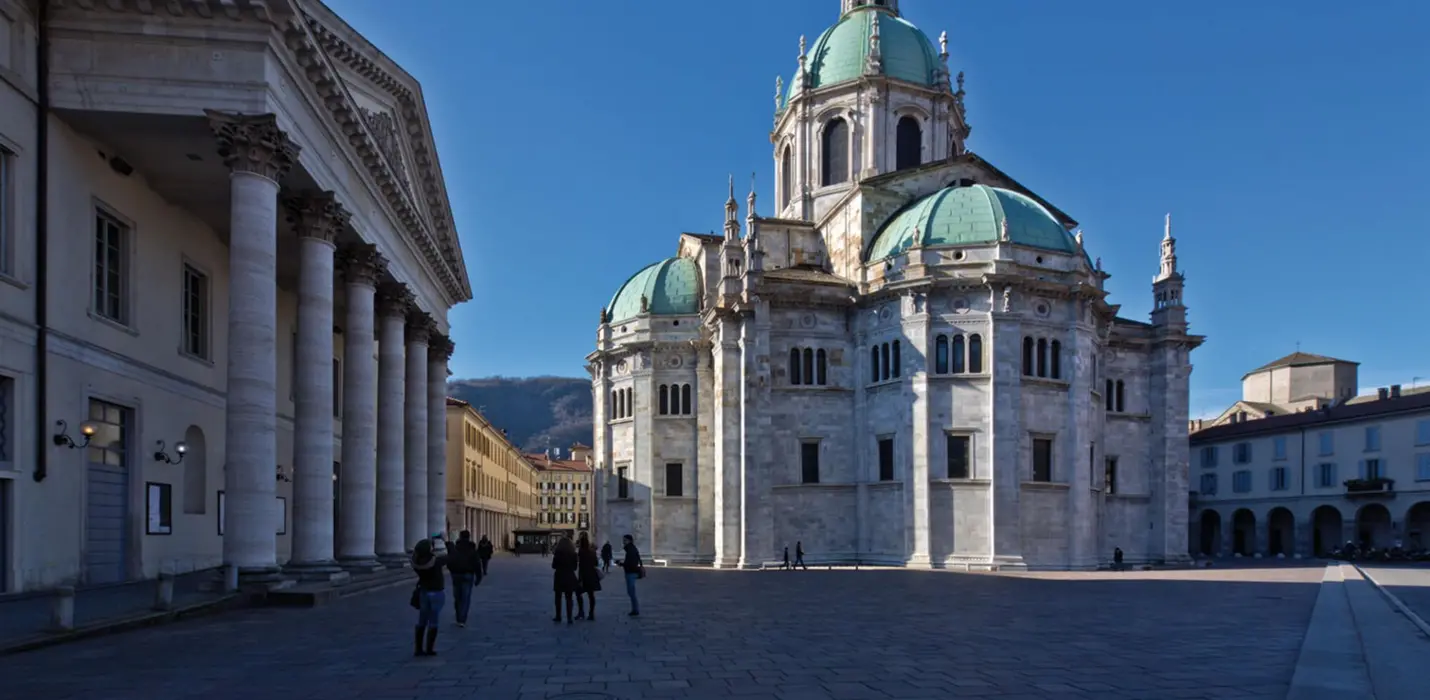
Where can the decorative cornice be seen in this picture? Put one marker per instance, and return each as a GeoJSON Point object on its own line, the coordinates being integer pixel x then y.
{"type": "Point", "coordinates": [257, 10]}
{"type": "Point", "coordinates": [393, 299]}
{"type": "Point", "coordinates": [253, 143]}
{"type": "Point", "coordinates": [361, 263]}
{"type": "Point", "coordinates": [316, 215]}
{"type": "Point", "coordinates": [443, 249]}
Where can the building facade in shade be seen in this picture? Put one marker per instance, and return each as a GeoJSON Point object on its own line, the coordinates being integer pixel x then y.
{"type": "Point", "coordinates": [228, 257]}
{"type": "Point", "coordinates": [912, 361]}
{"type": "Point", "coordinates": [1302, 464]}
{"type": "Point", "coordinates": [491, 485]}
{"type": "Point", "coordinates": [564, 495]}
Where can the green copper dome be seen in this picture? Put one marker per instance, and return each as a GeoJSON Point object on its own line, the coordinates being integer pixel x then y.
{"type": "Point", "coordinates": [839, 54]}
{"type": "Point", "coordinates": [670, 287]}
{"type": "Point", "coordinates": [968, 216]}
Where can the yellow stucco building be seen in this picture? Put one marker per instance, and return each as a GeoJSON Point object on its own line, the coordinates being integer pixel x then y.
{"type": "Point", "coordinates": [491, 486]}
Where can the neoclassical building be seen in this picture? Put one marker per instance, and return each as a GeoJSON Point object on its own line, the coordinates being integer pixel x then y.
{"type": "Point", "coordinates": [491, 485]}
{"type": "Point", "coordinates": [228, 257]}
{"type": "Point", "coordinates": [912, 362]}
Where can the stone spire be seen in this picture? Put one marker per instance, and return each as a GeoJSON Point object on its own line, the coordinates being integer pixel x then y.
{"type": "Point", "coordinates": [732, 210]}
{"type": "Point", "coordinates": [1169, 253]}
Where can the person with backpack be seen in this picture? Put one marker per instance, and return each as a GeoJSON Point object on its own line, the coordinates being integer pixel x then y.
{"type": "Point", "coordinates": [606, 557]}
{"type": "Point", "coordinates": [484, 550]}
{"type": "Point", "coordinates": [466, 566]}
{"type": "Point", "coordinates": [428, 597]}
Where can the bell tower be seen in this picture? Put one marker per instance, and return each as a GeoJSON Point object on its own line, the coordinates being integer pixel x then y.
{"type": "Point", "coordinates": [1167, 308]}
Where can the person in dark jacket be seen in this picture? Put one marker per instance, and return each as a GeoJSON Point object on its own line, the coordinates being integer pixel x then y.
{"type": "Point", "coordinates": [466, 568]}
{"type": "Point", "coordinates": [429, 596]}
{"type": "Point", "coordinates": [799, 556]}
{"type": "Point", "coordinates": [564, 582]}
{"type": "Point", "coordinates": [588, 572]}
{"type": "Point", "coordinates": [633, 569]}
{"type": "Point", "coordinates": [484, 550]}
{"type": "Point", "coordinates": [606, 556]}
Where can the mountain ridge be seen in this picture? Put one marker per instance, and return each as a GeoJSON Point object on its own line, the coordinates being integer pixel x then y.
{"type": "Point", "coordinates": [536, 412]}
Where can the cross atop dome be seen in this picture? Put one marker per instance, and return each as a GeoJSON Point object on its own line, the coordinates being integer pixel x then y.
{"type": "Point", "coordinates": [847, 6]}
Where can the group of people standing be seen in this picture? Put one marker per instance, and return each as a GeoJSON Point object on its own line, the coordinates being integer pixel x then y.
{"type": "Point", "coordinates": [467, 561]}
{"type": "Point", "coordinates": [577, 572]}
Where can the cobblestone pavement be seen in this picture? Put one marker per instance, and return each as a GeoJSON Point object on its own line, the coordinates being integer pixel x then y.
{"type": "Point", "coordinates": [714, 634]}
{"type": "Point", "coordinates": [1411, 584]}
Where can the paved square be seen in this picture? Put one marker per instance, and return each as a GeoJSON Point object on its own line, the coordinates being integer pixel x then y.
{"type": "Point", "coordinates": [1218, 633]}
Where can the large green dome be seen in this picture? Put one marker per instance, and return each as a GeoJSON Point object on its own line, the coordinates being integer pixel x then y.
{"type": "Point", "coordinates": [670, 287]}
{"type": "Point", "coordinates": [968, 216]}
{"type": "Point", "coordinates": [839, 54]}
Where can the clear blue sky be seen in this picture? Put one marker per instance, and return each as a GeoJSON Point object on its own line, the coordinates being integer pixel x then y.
{"type": "Point", "coordinates": [1288, 140]}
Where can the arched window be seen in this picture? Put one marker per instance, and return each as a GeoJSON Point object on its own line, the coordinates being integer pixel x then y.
{"type": "Point", "coordinates": [1120, 406]}
{"type": "Point", "coordinates": [908, 151]}
{"type": "Point", "coordinates": [958, 363]}
{"type": "Point", "coordinates": [1028, 357]}
{"type": "Point", "coordinates": [940, 355]}
{"type": "Point", "coordinates": [1042, 357]}
{"type": "Point", "coordinates": [975, 353]}
{"type": "Point", "coordinates": [874, 364]}
{"type": "Point", "coordinates": [621, 404]}
{"type": "Point", "coordinates": [884, 361]}
{"type": "Point", "coordinates": [821, 367]}
{"type": "Point", "coordinates": [1108, 396]}
{"type": "Point", "coordinates": [630, 402]}
{"type": "Point", "coordinates": [685, 400]}
{"type": "Point", "coordinates": [834, 152]}
{"type": "Point", "coordinates": [786, 177]}
{"type": "Point", "coordinates": [808, 366]}
{"type": "Point", "coordinates": [664, 400]}
{"type": "Point", "coordinates": [897, 359]}
{"type": "Point", "coordinates": [1055, 359]}
{"type": "Point", "coordinates": [794, 366]}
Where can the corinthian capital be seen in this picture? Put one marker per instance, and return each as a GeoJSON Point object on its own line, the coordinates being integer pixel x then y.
{"type": "Point", "coordinates": [253, 143]}
{"type": "Point", "coordinates": [361, 263]}
{"type": "Point", "coordinates": [393, 299]}
{"type": "Point", "coordinates": [420, 327]}
{"type": "Point", "coordinates": [316, 215]}
{"type": "Point", "coordinates": [439, 349]}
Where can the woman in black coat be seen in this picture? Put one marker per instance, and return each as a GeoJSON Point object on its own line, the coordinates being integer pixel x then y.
{"type": "Point", "coordinates": [588, 572]}
{"type": "Point", "coordinates": [564, 581]}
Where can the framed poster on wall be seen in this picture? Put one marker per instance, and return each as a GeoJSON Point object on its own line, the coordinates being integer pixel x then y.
{"type": "Point", "coordinates": [220, 513]}
{"type": "Point", "coordinates": [282, 515]}
{"type": "Point", "coordinates": [159, 509]}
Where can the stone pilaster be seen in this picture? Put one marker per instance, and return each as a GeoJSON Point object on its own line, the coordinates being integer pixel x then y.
{"type": "Point", "coordinates": [258, 155]}
{"type": "Point", "coordinates": [438, 352]}
{"type": "Point", "coordinates": [1170, 385]}
{"type": "Point", "coordinates": [643, 439]}
{"type": "Point", "coordinates": [860, 381]}
{"type": "Point", "coordinates": [357, 488]}
{"type": "Point", "coordinates": [317, 218]}
{"type": "Point", "coordinates": [727, 397]}
{"type": "Point", "coordinates": [1005, 465]}
{"type": "Point", "coordinates": [393, 301]}
{"type": "Point", "coordinates": [914, 363]}
{"type": "Point", "coordinates": [1082, 452]}
{"type": "Point", "coordinates": [705, 467]}
{"type": "Point", "coordinates": [419, 331]}
{"type": "Point", "coordinates": [759, 453]}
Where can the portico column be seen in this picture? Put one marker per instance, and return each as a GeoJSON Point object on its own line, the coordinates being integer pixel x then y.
{"type": "Point", "coordinates": [419, 329]}
{"type": "Point", "coordinates": [393, 300]}
{"type": "Point", "coordinates": [258, 155]}
{"type": "Point", "coordinates": [437, 353]}
{"type": "Point", "coordinates": [357, 494]}
{"type": "Point", "coordinates": [316, 217]}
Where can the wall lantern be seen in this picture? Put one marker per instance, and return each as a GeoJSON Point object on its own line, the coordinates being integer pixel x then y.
{"type": "Point", "coordinates": [283, 476]}
{"type": "Point", "coordinates": [62, 438]}
{"type": "Point", "coordinates": [162, 455]}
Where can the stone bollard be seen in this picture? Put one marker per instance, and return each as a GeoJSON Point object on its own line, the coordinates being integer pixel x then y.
{"type": "Point", "coordinates": [62, 610]}
{"type": "Point", "coordinates": [164, 593]}
{"type": "Point", "coordinates": [230, 578]}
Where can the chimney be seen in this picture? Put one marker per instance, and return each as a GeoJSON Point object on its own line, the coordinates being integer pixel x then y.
{"type": "Point", "coordinates": [1394, 391]}
{"type": "Point", "coordinates": [1383, 393]}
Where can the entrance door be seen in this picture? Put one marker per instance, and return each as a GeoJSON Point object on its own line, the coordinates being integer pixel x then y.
{"type": "Point", "coordinates": [107, 494]}
{"type": "Point", "coordinates": [4, 534]}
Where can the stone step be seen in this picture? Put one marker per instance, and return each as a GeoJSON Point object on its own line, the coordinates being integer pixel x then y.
{"type": "Point", "coordinates": [306, 594]}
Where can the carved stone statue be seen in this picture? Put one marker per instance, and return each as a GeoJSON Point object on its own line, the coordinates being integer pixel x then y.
{"type": "Point", "coordinates": [1007, 299]}
{"type": "Point", "coordinates": [645, 304]}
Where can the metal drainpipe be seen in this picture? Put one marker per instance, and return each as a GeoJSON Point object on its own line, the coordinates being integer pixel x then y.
{"type": "Point", "coordinates": [42, 242]}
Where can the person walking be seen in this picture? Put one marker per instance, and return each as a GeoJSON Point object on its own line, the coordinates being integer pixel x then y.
{"type": "Point", "coordinates": [466, 569]}
{"type": "Point", "coordinates": [799, 555]}
{"type": "Point", "coordinates": [545, 548]}
{"type": "Point", "coordinates": [606, 556]}
{"type": "Point", "coordinates": [428, 597]}
{"type": "Point", "coordinates": [564, 582]}
{"type": "Point", "coordinates": [633, 569]}
{"type": "Point", "coordinates": [484, 551]}
{"type": "Point", "coordinates": [786, 565]}
{"type": "Point", "coordinates": [588, 571]}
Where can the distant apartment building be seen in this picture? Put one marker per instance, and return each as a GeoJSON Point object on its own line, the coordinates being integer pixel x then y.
{"type": "Point", "coordinates": [491, 486]}
{"type": "Point", "coordinates": [564, 495]}
{"type": "Point", "coordinates": [1302, 464]}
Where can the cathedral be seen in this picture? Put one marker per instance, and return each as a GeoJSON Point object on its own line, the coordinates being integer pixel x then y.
{"type": "Point", "coordinates": [912, 362]}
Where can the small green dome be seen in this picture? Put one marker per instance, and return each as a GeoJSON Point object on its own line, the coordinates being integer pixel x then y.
{"type": "Point", "coordinates": [971, 215]}
{"type": "Point", "coordinates": [670, 287]}
{"type": "Point", "coordinates": [839, 54]}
